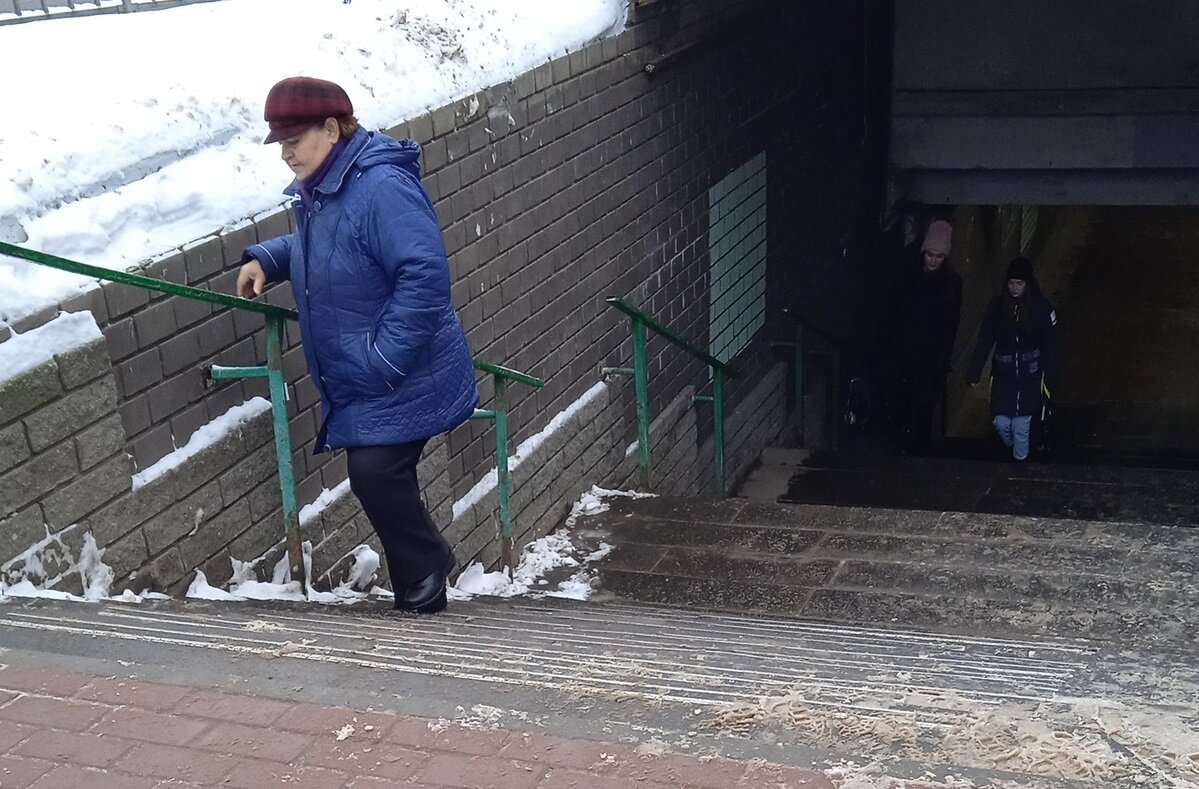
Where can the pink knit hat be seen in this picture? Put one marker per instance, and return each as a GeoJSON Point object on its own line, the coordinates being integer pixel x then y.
{"type": "Point", "coordinates": [939, 238]}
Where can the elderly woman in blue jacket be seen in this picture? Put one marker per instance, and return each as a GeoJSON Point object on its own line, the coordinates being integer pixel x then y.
{"type": "Point", "coordinates": [384, 346]}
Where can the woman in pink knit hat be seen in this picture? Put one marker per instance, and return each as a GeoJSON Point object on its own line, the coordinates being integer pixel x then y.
{"type": "Point", "coordinates": [919, 334]}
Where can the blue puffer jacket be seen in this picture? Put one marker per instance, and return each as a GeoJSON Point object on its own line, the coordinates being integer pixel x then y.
{"type": "Point", "coordinates": [368, 269]}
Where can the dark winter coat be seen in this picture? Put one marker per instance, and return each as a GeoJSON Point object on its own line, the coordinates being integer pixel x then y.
{"type": "Point", "coordinates": [368, 270]}
{"type": "Point", "coordinates": [921, 326]}
{"type": "Point", "coordinates": [1025, 357]}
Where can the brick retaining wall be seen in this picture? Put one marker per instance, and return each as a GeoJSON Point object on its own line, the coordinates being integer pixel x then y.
{"type": "Point", "coordinates": [582, 179]}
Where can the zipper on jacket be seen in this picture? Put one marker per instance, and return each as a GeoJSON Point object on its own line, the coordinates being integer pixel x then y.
{"type": "Point", "coordinates": [1017, 355]}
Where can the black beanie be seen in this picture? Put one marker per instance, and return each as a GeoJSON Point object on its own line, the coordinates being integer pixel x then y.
{"type": "Point", "coordinates": [1020, 268]}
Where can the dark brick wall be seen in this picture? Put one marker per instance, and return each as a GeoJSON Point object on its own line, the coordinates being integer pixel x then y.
{"type": "Point", "coordinates": [596, 175]}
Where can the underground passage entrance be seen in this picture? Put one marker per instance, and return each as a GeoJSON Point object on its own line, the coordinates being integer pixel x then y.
{"type": "Point", "coordinates": [1124, 282]}
{"type": "Point", "coordinates": [1125, 285]}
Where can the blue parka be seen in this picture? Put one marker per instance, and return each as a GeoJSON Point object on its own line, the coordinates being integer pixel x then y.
{"type": "Point", "coordinates": [368, 269]}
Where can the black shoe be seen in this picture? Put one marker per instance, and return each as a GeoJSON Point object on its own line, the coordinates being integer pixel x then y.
{"type": "Point", "coordinates": [427, 596]}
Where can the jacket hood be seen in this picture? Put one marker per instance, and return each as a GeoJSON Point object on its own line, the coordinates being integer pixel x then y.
{"type": "Point", "coordinates": [381, 149]}
{"type": "Point", "coordinates": [367, 149]}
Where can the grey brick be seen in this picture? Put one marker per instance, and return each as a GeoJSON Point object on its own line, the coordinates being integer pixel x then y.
{"type": "Point", "coordinates": [125, 556]}
{"type": "Point", "coordinates": [152, 446]}
{"type": "Point", "coordinates": [34, 320]}
{"type": "Point", "coordinates": [155, 323]}
{"type": "Point", "coordinates": [434, 156]}
{"type": "Point", "coordinates": [123, 299]}
{"type": "Point", "coordinates": [71, 413]}
{"type": "Point", "coordinates": [260, 538]}
{"type": "Point", "coordinates": [83, 364]}
{"type": "Point", "coordinates": [25, 392]}
{"type": "Point", "coordinates": [188, 421]}
{"type": "Point", "coordinates": [14, 446]}
{"type": "Point", "coordinates": [135, 414]}
{"type": "Point", "coordinates": [543, 76]}
{"type": "Point", "coordinates": [89, 301]}
{"type": "Point", "coordinates": [69, 504]}
{"type": "Point", "coordinates": [215, 535]}
{"type": "Point", "coordinates": [31, 480]}
{"type": "Point", "coordinates": [167, 268]}
{"type": "Point", "coordinates": [443, 120]}
{"type": "Point", "coordinates": [166, 528]}
{"type": "Point", "coordinates": [203, 259]}
{"type": "Point", "coordinates": [190, 311]}
{"type": "Point", "coordinates": [216, 334]}
{"type": "Point", "coordinates": [525, 85]}
{"type": "Point", "coordinates": [164, 573]}
{"type": "Point", "coordinates": [235, 240]}
{"type": "Point", "coordinates": [560, 69]}
{"type": "Point", "coordinates": [20, 530]}
{"type": "Point", "coordinates": [272, 225]}
{"type": "Point", "coordinates": [121, 338]}
{"type": "Point", "coordinates": [266, 500]}
{"type": "Point", "coordinates": [181, 351]}
{"type": "Point", "coordinates": [126, 513]}
{"type": "Point", "coordinates": [245, 475]}
{"type": "Point", "coordinates": [139, 372]}
{"type": "Point", "coordinates": [100, 441]}
{"type": "Point", "coordinates": [174, 395]}
{"type": "Point", "coordinates": [246, 324]}
{"type": "Point", "coordinates": [421, 128]}
{"type": "Point", "coordinates": [457, 145]}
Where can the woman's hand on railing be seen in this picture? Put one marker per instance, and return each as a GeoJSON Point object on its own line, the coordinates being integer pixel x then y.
{"type": "Point", "coordinates": [251, 279]}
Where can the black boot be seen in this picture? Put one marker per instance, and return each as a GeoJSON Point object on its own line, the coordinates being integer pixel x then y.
{"type": "Point", "coordinates": [427, 596]}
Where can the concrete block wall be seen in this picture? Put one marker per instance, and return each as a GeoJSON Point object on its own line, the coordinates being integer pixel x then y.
{"type": "Point", "coordinates": [582, 179]}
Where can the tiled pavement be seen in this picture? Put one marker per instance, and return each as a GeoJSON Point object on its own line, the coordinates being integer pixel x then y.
{"type": "Point", "coordinates": [61, 730]}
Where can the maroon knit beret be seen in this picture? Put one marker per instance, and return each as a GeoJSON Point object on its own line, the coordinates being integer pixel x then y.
{"type": "Point", "coordinates": [296, 103]}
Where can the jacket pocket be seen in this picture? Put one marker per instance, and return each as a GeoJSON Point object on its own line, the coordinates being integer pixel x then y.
{"type": "Point", "coordinates": [385, 377]}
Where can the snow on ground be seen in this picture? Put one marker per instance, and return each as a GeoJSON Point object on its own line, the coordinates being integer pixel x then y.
{"type": "Point", "coordinates": [143, 137]}
{"type": "Point", "coordinates": [26, 575]}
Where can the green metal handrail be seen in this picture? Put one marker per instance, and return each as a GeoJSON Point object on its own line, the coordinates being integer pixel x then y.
{"type": "Point", "coordinates": [801, 326]}
{"type": "Point", "coordinates": [640, 321]}
{"type": "Point", "coordinates": [499, 414]}
{"type": "Point", "coordinates": [273, 371]}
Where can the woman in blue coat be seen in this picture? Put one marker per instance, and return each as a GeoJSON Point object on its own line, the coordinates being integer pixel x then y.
{"type": "Point", "coordinates": [1021, 326]}
{"type": "Point", "coordinates": [384, 346]}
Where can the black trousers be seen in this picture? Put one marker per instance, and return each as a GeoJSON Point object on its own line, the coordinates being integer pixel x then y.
{"type": "Point", "coordinates": [384, 480]}
{"type": "Point", "coordinates": [916, 403]}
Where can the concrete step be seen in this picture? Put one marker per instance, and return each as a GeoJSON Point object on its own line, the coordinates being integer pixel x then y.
{"type": "Point", "coordinates": [964, 573]}
{"type": "Point", "coordinates": [1084, 491]}
{"type": "Point", "coordinates": [990, 711]}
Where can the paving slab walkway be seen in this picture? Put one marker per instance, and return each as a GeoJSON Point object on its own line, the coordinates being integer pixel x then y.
{"type": "Point", "coordinates": [61, 729]}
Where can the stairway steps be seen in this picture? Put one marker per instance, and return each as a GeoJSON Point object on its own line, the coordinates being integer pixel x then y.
{"type": "Point", "coordinates": [959, 572]}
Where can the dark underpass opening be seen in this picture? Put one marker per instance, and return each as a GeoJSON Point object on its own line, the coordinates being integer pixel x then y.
{"type": "Point", "coordinates": [1124, 282]}
{"type": "Point", "coordinates": [1125, 286]}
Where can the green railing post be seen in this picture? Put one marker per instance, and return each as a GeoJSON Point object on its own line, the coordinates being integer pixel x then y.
{"type": "Point", "coordinates": [501, 470]}
{"type": "Point", "coordinates": [641, 384]}
{"type": "Point", "coordinates": [499, 415]}
{"type": "Point", "coordinates": [640, 372]}
{"type": "Point", "coordinates": [278, 385]}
